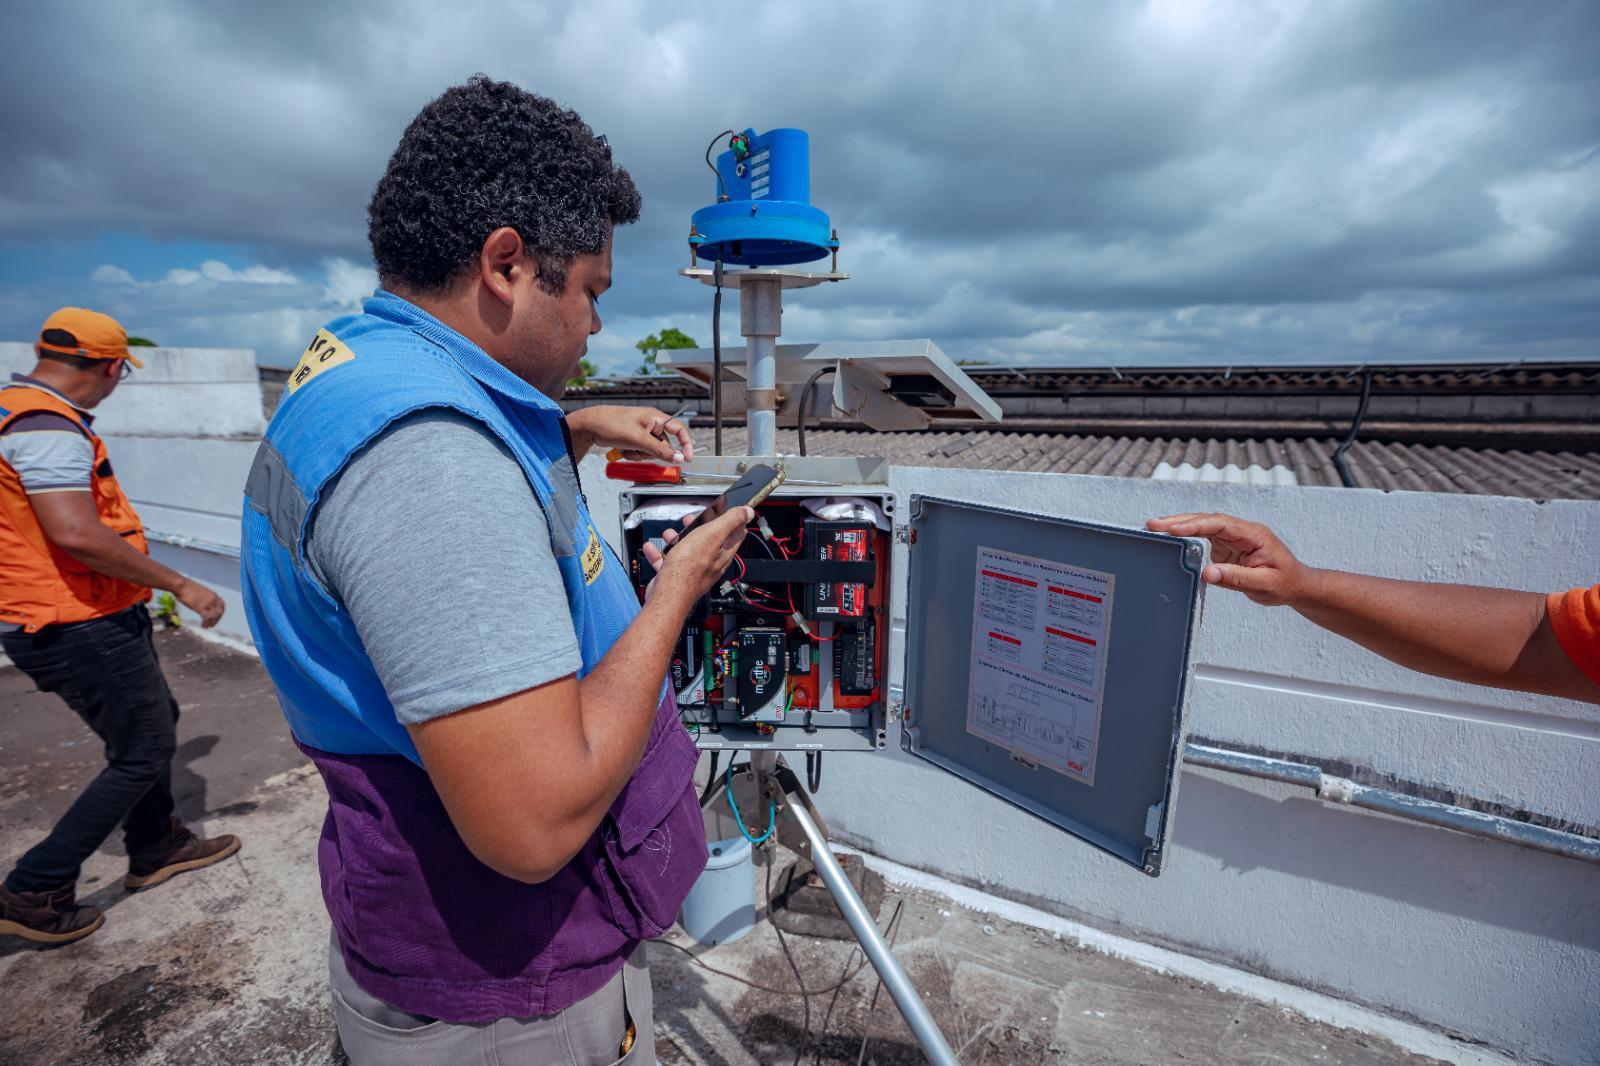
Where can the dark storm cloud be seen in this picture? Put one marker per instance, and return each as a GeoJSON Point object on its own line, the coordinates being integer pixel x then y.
{"type": "Point", "coordinates": [1021, 180]}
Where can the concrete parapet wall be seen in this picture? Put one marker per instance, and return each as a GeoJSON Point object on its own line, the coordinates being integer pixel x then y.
{"type": "Point", "coordinates": [180, 392]}
{"type": "Point", "coordinates": [190, 490]}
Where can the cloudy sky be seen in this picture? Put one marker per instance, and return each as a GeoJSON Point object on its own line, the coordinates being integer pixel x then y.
{"type": "Point", "coordinates": [1122, 183]}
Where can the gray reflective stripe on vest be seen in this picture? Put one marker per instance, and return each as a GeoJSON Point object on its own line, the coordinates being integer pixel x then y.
{"type": "Point", "coordinates": [272, 491]}
{"type": "Point", "coordinates": [563, 506]}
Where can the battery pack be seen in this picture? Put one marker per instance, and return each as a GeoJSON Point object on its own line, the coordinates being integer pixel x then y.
{"type": "Point", "coordinates": [650, 532]}
{"type": "Point", "coordinates": [836, 542]}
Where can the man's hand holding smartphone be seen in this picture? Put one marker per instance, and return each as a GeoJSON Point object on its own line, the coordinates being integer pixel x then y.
{"type": "Point", "coordinates": [699, 557]}
{"type": "Point", "coordinates": [715, 534]}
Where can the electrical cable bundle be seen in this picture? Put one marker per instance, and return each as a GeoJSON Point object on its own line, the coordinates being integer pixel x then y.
{"type": "Point", "coordinates": [890, 931]}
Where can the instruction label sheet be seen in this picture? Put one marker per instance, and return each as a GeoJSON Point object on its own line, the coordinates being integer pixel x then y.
{"type": "Point", "coordinates": [1039, 641]}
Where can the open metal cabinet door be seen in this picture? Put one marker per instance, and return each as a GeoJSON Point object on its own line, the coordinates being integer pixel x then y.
{"type": "Point", "coordinates": [1048, 663]}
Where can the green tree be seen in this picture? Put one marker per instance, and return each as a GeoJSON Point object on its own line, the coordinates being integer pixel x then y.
{"type": "Point", "coordinates": [141, 342]}
{"type": "Point", "coordinates": [586, 370]}
{"type": "Point", "coordinates": [652, 345]}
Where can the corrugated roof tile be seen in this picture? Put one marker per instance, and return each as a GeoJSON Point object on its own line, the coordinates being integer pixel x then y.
{"type": "Point", "coordinates": [1373, 464]}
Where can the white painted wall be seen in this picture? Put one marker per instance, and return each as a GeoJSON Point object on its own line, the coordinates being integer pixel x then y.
{"type": "Point", "coordinates": [181, 433]}
{"type": "Point", "coordinates": [180, 392]}
{"type": "Point", "coordinates": [1496, 942]}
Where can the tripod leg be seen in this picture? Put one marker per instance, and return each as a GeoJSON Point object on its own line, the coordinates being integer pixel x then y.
{"type": "Point", "coordinates": [905, 995]}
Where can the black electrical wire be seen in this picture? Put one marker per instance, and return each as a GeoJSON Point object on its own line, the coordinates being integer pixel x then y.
{"type": "Point", "coordinates": [722, 189]}
{"type": "Point", "coordinates": [805, 997]}
{"type": "Point", "coordinates": [821, 1037]}
{"type": "Point", "coordinates": [890, 931]}
{"type": "Point", "coordinates": [866, 1025]}
{"type": "Point", "coordinates": [813, 772]}
{"type": "Point", "coordinates": [716, 360]}
{"type": "Point", "coordinates": [850, 975]}
{"type": "Point", "coordinates": [1350, 438]}
{"type": "Point", "coordinates": [805, 401]}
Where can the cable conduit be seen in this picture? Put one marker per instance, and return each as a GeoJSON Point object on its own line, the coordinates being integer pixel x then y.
{"type": "Point", "coordinates": [1333, 789]}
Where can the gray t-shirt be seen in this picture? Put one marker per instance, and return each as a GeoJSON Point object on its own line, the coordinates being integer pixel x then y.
{"type": "Point", "coordinates": [434, 542]}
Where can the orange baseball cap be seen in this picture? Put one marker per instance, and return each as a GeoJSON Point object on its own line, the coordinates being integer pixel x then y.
{"type": "Point", "coordinates": [93, 335]}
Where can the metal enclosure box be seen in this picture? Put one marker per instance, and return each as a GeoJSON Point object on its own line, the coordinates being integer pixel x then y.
{"type": "Point", "coordinates": [1115, 627]}
{"type": "Point", "coordinates": [1047, 661]}
{"type": "Point", "coordinates": [853, 729]}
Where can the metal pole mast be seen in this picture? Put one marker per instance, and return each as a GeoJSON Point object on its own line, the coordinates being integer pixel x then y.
{"type": "Point", "coordinates": [760, 320]}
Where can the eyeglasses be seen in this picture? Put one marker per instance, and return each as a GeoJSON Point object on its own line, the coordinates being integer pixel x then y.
{"type": "Point", "coordinates": [124, 370]}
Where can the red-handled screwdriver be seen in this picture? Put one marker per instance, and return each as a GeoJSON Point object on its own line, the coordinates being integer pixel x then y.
{"type": "Point", "coordinates": [642, 472]}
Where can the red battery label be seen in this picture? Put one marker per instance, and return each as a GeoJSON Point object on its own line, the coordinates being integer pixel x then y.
{"type": "Point", "coordinates": [841, 599]}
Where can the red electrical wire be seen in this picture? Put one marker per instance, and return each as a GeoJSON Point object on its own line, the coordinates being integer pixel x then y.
{"type": "Point", "coordinates": [770, 600]}
{"type": "Point", "coordinates": [788, 585]}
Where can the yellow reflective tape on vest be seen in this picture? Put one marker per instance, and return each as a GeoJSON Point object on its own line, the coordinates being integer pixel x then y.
{"type": "Point", "coordinates": [324, 351]}
{"type": "Point", "coordinates": [594, 559]}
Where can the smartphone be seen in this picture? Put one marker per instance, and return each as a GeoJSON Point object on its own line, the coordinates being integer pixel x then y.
{"type": "Point", "coordinates": [756, 485]}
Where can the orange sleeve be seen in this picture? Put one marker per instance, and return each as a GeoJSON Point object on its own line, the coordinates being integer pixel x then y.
{"type": "Point", "coordinates": [1575, 617]}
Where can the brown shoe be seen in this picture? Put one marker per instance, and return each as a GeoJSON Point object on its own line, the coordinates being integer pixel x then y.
{"type": "Point", "coordinates": [52, 917]}
{"type": "Point", "coordinates": [180, 851]}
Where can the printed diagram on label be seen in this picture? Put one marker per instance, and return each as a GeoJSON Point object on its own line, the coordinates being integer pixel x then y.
{"type": "Point", "coordinates": [1039, 639]}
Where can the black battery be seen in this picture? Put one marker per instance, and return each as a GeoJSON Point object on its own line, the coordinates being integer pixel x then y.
{"type": "Point", "coordinates": [842, 542]}
{"type": "Point", "coordinates": [650, 529]}
{"type": "Point", "coordinates": [641, 573]}
{"type": "Point", "coordinates": [763, 669]}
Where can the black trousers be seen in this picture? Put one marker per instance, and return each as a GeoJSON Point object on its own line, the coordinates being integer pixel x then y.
{"type": "Point", "coordinates": [106, 670]}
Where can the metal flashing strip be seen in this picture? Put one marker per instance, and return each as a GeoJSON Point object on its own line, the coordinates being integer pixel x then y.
{"type": "Point", "coordinates": [180, 540]}
{"type": "Point", "coordinates": [1335, 789]}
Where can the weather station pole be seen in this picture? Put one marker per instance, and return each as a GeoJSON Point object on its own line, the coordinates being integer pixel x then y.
{"type": "Point", "coordinates": [761, 320]}
{"type": "Point", "coordinates": [764, 223]}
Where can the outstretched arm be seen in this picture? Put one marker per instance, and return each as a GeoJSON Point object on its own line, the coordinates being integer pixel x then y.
{"type": "Point", "coordinates": [1483, 636]}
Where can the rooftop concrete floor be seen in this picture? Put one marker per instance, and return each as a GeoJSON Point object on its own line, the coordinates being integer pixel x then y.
{"type": "Point", "coordinates": [228, 965]}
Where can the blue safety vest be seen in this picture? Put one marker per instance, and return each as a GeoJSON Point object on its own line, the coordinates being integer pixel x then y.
{"type": "Point", "coordinates": [360, 374]}
{"type": "Point", "coordinates": [421, 922]}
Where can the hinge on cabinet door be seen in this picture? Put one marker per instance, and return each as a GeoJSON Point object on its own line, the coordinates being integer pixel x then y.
{"type": "Point", "coordinates": [905, 535]}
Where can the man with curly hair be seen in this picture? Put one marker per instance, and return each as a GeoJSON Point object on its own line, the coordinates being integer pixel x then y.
{"type": "Point", "coordinates": [510, 805]}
